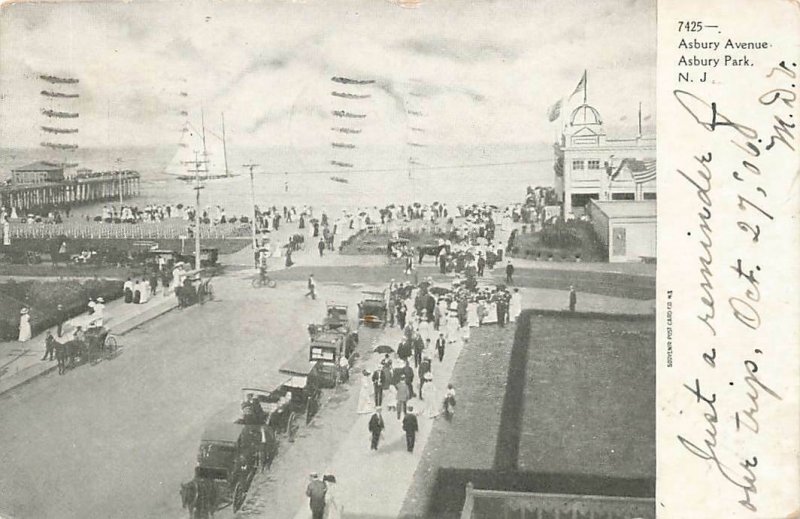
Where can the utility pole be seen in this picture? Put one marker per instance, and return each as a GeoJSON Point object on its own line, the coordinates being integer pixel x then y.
{"type": "Point", "coordinates": [197, 188]}
{"type": "Point", "coordinates": [119, 179]}
{"type": "Point", "coordinates": [253, 200]}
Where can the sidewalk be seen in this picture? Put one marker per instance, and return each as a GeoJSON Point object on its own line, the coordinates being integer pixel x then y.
{"type": "Point", "coordinates": [20, 362]}
{"type": "Point", "coordinates": [373, 484]}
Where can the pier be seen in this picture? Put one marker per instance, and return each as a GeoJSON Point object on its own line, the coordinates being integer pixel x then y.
{"type": "Point", "coordinates": [80, 189]}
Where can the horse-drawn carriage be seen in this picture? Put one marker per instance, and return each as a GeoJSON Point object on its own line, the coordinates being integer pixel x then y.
{"type": "Point", "coordinates": [197, 288]}
{"type": "Point", "coordinates": [372, 310]}
{"type": "Point", "coordinates": [227, 461]}
{"type": "Point", "coordinates": [90, 347]}
{"type": "Point", "coordinates": [282, 408]}
{"type": "Point", "coordinates": [397, 249]}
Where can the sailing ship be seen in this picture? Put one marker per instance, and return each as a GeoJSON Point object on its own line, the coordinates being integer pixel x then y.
{"type": "Point", "coordinates": [202, 149]}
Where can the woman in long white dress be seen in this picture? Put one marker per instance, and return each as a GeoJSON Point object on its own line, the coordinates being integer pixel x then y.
{"type": "Point", "coordinates": [333, 508]}
{"type": "Point", "coordinates": [453, 328]}
{"type": "Point", "coordinates": [433, 407]}
{"type": "Point", "coordinates": [24, 325]}
{"type": "Point", "coordinates": [366, 404]}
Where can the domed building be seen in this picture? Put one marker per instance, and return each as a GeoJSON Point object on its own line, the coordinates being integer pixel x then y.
{"type": "Point", "coordinates": [611, 180]}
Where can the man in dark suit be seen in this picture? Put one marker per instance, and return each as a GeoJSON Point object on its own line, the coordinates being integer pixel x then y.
{"type": "Point", "coordinates": [50, 345]}
{"type": "Point", "coordinates": [410, 426]}
{"type": "Point", "coordinates": [376, 428]}
{"type": "Point", "coordinates": [440, 344]}
{"type": "Point", "coordinates": [316, 496]}
{"type": "Point", "coordinates": [419, 345]}
{"type": "Point", "coordinates": [377, 384]}
{"type": "Point", "coordinates": [509, 273]}
{"type": "Point", "coordinates": [408, 373]}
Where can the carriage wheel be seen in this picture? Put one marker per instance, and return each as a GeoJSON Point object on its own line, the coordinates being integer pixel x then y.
{"type": "Point", "coordinates": [271, 283]}
{"type": "Point", "coordinates": [256, 283]}
{"type": "Point", "coordinates": [239, 495]}
{"type": "Point", "coordinates": [291, 426]}
{"type": "Point", "coordinates": [110, 346]}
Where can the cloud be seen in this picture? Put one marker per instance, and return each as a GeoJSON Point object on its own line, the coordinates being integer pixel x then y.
{"type": "Point", "coordinates": [458, 50]}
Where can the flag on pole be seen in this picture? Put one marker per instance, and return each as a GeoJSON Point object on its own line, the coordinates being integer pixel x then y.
{"type": "Point", "coordinates": [554, 112]}
{"type": "Point", "coordinates": [581, 86]}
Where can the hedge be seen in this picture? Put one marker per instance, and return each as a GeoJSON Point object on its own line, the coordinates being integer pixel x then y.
{"type": "Point", "coordinates": [42, 299]}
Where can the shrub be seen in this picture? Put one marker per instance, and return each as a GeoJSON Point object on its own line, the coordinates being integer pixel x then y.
{"type": "Point", "coordinates": [43, 297]}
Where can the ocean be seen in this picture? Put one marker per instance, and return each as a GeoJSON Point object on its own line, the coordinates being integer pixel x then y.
{"type": "Point", "coordinates": [496, 174]}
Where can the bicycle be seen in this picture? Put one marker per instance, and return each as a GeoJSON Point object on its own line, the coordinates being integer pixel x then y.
{"type": "Point", "coordinates": [264, 281]}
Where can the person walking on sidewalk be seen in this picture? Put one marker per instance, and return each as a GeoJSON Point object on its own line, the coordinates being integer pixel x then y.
{"type": "Point", "coordinates": [377, 385]}
{"type": "Point", "coordinates": [316, 496]}
{"type": "Point", "coordinates": [440, 345]}
{"type": "Point", "coordinates": [321, 247]}
{"type": "Point", "coordinates": [419, 345]}
{"type": "Point", "coordinates": [333, 509]}
{"type": "Point", "coordinates": [61, 315]}
{"type": "Point", "coordinates": [402, 396]}
{"type": "Point", "coordinates": [410, 426]}
{"type": "Point", "coordinates": [312, 287]}
{"type": "Point", "coordinates": [376, 428]}
{"type": "Point", "coordinates": [509, 273]}
{"type": "Point", "coordinates": [24, 326]}
{"type": "Point", "coordinates": [49, 345]}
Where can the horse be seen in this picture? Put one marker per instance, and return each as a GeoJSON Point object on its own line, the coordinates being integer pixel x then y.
{"type": "Point", "coordinates": [199, 496]}
{"type": "Point", "coordinates": [66, 353]}
{"type": "Point", "coordinates": [429, 250]}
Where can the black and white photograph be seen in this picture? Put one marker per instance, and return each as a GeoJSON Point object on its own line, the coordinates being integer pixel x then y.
{"type": "Point", "coordinates": [321, 260]}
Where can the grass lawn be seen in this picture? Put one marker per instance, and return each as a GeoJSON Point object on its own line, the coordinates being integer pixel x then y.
{"type": "Point", "coordinates": [469, 440]}
{"type": "Point", "coordinates": [551, 245]}
{"type": "Point", "coordinates": [590, 397]}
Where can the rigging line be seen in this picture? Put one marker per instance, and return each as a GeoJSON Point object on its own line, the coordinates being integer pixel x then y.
{"type": "Point", "coordinates": [403, 169]}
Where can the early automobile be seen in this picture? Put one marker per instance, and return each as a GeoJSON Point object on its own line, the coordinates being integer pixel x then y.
{"type": "Point", "coordinates": [228, 456]}
{"type": "Point", "coordinates": [326, 350]}
{"type": "Point", "coordinates": [209, 257]}
{"type": "Point", "coordinates": [372, 308]}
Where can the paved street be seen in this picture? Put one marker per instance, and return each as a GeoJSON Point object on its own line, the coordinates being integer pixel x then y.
{"type": "Point", "coordinates": [116, 439]}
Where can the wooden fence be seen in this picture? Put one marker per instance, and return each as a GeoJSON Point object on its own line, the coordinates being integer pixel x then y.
{"type": "Point", "coordinates": [164, 230]}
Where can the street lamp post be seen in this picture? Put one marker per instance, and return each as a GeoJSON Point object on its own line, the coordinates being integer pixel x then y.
{"type": "Point", "coordinates": [253, 200]}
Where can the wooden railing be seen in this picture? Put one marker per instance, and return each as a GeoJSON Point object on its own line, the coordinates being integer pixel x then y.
{"type": "Point", "coordinates": [144, 230]}
{"type": "Point", "coordinates": [494, 504]}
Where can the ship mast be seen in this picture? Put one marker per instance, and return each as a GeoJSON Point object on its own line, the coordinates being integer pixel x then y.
{"type": "Point", "coordinates": [224, 147]}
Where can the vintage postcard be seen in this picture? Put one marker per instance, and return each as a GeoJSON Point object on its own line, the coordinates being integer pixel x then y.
{"type": "Point", "coordinates": [519, 259]}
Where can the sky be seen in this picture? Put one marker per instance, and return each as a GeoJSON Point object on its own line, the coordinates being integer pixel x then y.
{"type": "Point", "coordinates": [444, 72]}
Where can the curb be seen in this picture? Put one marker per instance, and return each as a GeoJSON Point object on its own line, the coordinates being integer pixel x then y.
{"type": "Point", "coordinates": [124, 328]}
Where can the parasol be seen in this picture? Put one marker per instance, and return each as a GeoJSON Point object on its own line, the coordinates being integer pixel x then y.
{"type": "Point", "coordinates": [383, 348]}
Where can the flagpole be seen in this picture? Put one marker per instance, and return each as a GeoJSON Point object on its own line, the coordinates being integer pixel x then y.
{"type": "Point", "coordinates": [640, 118]}
{"type": "Point", "coordinates": [585, 80]}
